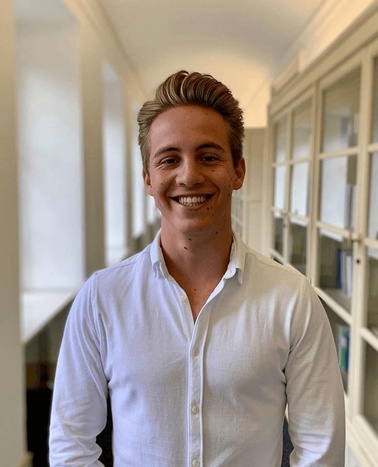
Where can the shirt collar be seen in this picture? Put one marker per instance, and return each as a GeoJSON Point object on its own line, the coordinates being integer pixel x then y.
{"type": "Point", "coordinates": [157, 259]}
{"type": "Point", "coordinates": [237, 259]}
{"type": "Point", "coordinates": [235, 265]}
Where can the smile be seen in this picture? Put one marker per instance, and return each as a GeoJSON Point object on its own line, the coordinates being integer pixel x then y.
{"type": "Point", "coordinates": [192, 200]}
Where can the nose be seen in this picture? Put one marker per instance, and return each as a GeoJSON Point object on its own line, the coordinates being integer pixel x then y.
{"type": "Point", "coordinates": [190, 173]}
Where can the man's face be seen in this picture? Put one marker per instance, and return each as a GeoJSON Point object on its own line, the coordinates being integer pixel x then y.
{"type": "Point", "coordinates": [191, 172]}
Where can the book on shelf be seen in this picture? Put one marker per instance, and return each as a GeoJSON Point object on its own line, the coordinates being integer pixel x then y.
{"type": "Point", "coordinates": [345, 270]}
{"type": "Point", "coordinates": [343, 346]}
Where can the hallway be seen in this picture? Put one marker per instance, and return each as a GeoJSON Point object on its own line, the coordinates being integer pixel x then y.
{"type": "Point", "coordinates": [74, 74]}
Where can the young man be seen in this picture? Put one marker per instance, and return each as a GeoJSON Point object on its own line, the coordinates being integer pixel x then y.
{"type": "Point", "coordinates": [200, 342]}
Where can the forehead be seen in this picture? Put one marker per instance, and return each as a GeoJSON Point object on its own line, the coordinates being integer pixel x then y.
{"type": "Point", "coordinates": [188, 123]}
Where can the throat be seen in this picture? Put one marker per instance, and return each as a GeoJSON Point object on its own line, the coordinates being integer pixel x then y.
{"type": "Point", "coordinates": [198, 296]}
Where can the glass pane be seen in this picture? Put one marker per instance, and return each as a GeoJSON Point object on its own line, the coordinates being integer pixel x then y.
{"type": "Point", "coordinates": [281, 140]}
{"type": "Point", "coordinates": [341, 104]}
{"type": "Point", "coordinates": [336, 268]}
{"type": "Point", "coordinates": [278, 225]}
{"type": "Point", "coordinates": [373, 198]}
{"type": "Point", "coordinates": [338, 191]}
{"type": "Point", "coordinates": [298, 245]}
{"type": "Point", "coordinates": [299, 189]}
{"type": "Point", "coordinates": [375, 103]}
{"type": "Point", "coordinates": [302, 131]}
{"type": "Point", "coordinates": [279, 187]}
{"type": "Point", "coordinates": [372, 290]}
{"type": "Point", "coordinates": [371, 387]}
{"type": "Point", "coordinates": [341, 334]}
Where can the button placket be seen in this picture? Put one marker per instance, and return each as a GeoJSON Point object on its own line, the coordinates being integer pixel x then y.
{"type": "Point", "coordinates": [195, 361]}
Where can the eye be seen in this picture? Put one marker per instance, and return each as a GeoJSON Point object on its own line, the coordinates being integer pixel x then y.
{"type": "Point", "coordinates": [209, 158]}
{"type": "Point", "coordinates": [169, 161]}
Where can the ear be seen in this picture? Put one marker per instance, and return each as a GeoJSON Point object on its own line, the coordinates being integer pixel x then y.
{"type": "Point", "coordinates": [147, 182]}
{"type": "Point", "coordinates": [240, 174]}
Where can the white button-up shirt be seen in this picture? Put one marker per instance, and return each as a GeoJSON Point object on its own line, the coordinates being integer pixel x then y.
{"type": "Point", "coordinates": [207, 393]}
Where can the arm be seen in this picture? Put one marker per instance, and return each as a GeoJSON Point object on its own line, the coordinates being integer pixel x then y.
{"type": "Point", "coordinates": [79, 406]}
{"type": "Point", "coordinates": [314, 389]}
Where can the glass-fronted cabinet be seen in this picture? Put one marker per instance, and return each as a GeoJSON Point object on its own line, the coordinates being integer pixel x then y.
{"type": "Point", "coordinates": [324, 215]}
{"type": "Point", "coordinates": [291, 178]}
{"type": "Point", "coordinates": [369, 293]}
{"type": "Point", "coordinates": [337, 181]}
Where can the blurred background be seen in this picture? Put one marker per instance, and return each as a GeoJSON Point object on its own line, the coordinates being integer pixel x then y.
{"type": "Point", "coordinates": [73, 75]}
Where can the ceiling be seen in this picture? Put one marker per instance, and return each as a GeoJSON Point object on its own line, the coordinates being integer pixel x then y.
{"type": "Point", "coordinates": [241, 42]}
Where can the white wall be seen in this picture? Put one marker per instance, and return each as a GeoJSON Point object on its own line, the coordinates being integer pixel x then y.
{"type": "Point", "coordinates": [115, 174]}
{"type": "Point", "coordinates": [254, 154]}
{"type": "Point", "coordinates": [50, 152]}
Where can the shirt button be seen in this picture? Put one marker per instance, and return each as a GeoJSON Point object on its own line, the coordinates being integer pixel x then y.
{"type": "Point", "coordinates": [195, 409]}
{"type": "Point", "coordinates": [196, 463]}
{"type": "Point", "coordinates": [195, 352]}
{"type": "Point", "coordinates": [182, 298]}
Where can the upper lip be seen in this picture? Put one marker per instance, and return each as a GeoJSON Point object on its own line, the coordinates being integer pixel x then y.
{"type": "Point", "coordinates": [191, 195]}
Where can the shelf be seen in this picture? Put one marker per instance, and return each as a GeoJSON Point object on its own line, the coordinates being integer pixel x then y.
{"type": "Point", "coordinates": [339, 296]}
{"type": "Point", "coordinates": [370, 337]}
{"type": "Point", "coordinates": [38, 308]}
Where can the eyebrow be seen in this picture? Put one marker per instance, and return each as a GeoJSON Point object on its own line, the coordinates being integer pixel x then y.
{"type": "Point", "coordinates": [209, 145]}
{"type": "Point", "coordinates": [165, 149]}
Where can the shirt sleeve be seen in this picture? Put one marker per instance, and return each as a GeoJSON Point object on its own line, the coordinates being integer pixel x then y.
{"type": "Point", "coordinates": [314, 388]}
{"type": "Point", "coordinates": [79, 406]}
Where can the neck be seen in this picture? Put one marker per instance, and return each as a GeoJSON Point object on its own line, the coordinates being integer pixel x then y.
{"type": "Point", "coordinates": [197, 263]}
{"type": "Point", "coordinates": [196, 254]}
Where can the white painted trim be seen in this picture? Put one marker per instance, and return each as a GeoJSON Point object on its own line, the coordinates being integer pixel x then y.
{"type": "Point", "coordinates": [89, 11]}
{"type": "Point", "coordinates": [290, 72]}
{"type": "Point", "coordinates": [331, 20]}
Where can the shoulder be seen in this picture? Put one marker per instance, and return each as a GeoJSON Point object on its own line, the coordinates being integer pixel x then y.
{"type": "Point", "coordinates": [261, 267]}
{"type": "Point", "coordinates": [110, 283]}
{"type": "Point", "coordinates": [132, 267]}
{"type": "Point", "coordinates": [257, 266]}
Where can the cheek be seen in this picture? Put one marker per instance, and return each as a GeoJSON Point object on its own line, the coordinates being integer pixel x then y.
{"type": "Point", "coordinates": [158, 192]}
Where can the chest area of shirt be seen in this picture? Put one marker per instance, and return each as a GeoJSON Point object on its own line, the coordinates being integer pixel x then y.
{"type": "Point", "coordinates": [224, 347]}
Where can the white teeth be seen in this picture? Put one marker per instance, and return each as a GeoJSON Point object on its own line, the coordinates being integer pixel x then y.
{"type": "Point", "coordinates": [192, 200]}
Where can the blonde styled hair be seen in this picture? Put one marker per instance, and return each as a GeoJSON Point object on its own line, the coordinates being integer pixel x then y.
{"type": "Point", "coordinates": [183, 88]}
